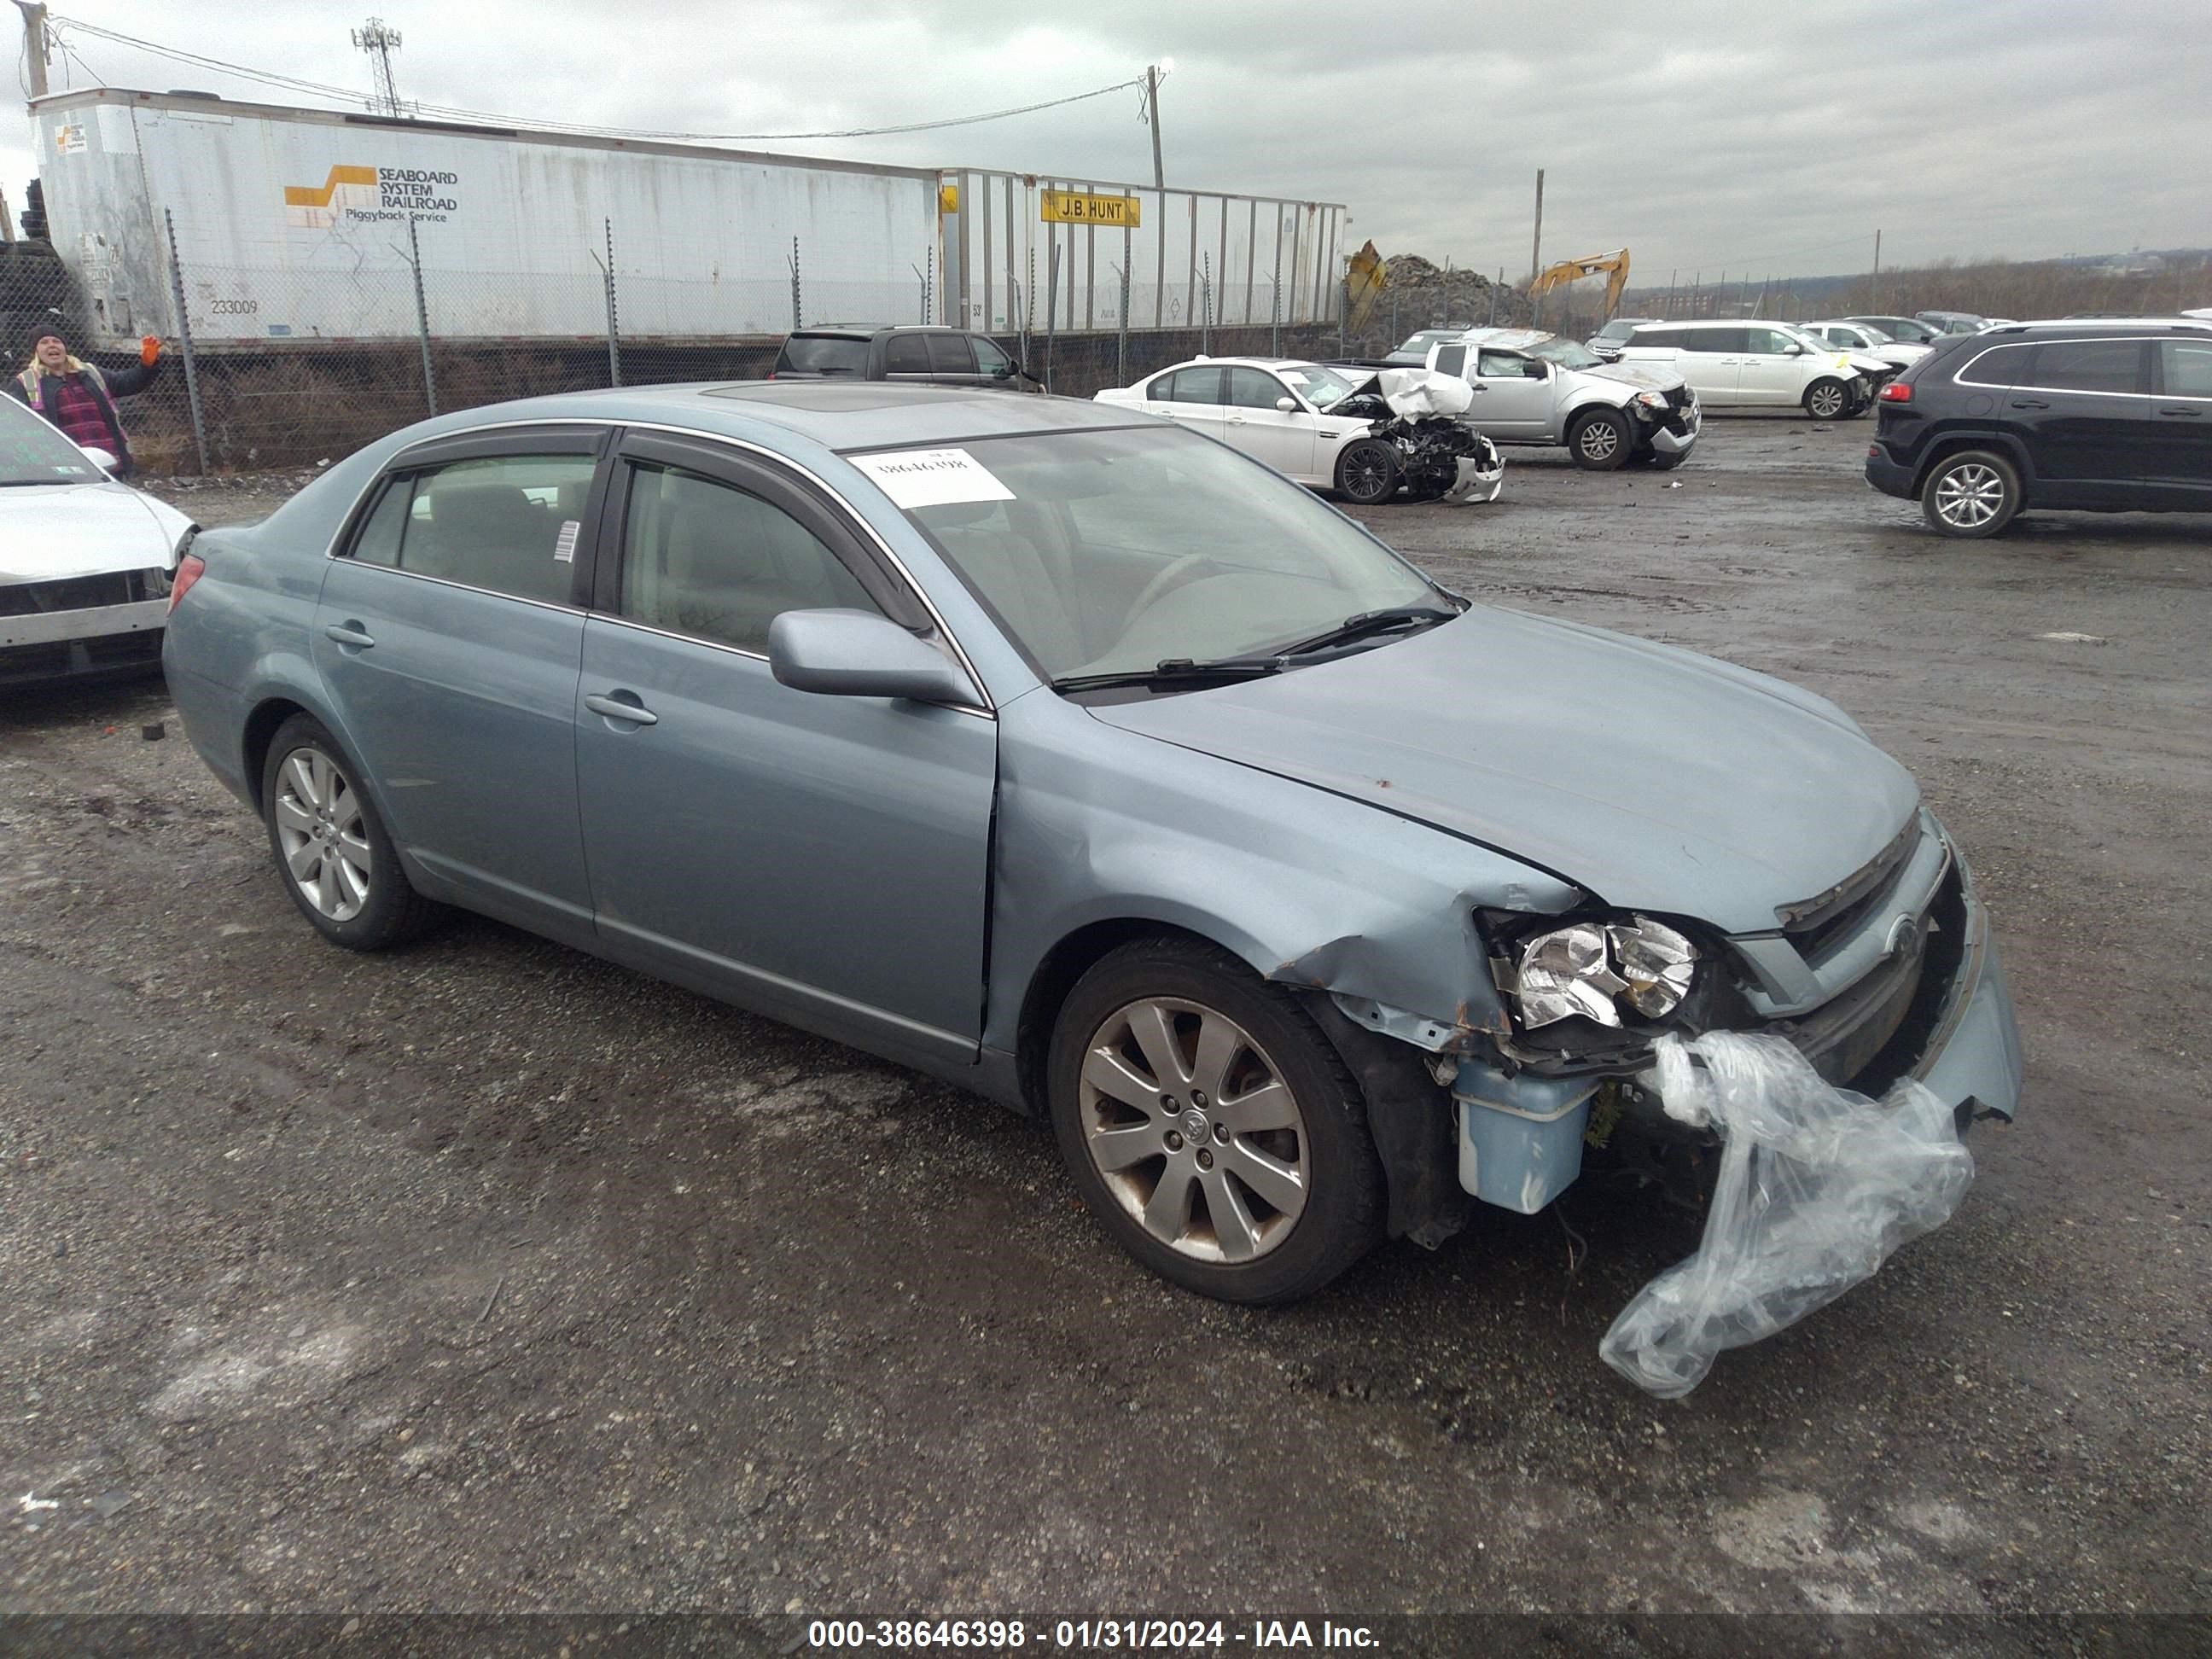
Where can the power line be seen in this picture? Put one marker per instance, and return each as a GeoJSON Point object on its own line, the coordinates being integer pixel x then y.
{"type": "Point", "coordinates": [348, 95]}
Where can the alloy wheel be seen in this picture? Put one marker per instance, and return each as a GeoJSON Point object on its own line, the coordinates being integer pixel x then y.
{"type": "Point", "coordinates": [1367, 475]}
{"type": "Point", "coordinates": [1967, 497]}
{"type": "Point", "coordinates": [1825, 402]}
{"type": "Point", "coordinates": [1599, 440]}
{"type": "Point", "coordinates": [320, 833]}
{"type": "Point", "coordinates": [1192, 1128]}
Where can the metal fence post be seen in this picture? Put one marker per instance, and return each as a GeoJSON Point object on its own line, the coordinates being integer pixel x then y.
{"type": "Point", "coordinates": [1051, 305]}
{"type": "Point", "coordinates": [795, 282]}
{"type": "Point", "coordinates": [1121, 333]}
{"type": "Point", "coordinates": [185, 343]}
{"type": "Point", "coordinates": [614, 333]}
{"type": "Point", "coordinates": [1343, 315]}
{"type": "Point", "coordinates": [422, 317]}
{"type": "Point", "coordinates": [1206, 306]}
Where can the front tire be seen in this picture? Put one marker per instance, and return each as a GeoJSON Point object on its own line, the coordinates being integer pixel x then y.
{"type": "Point", "coordinates": [1367, 472]}
{"type": "Point", "coordinates": [1211, 1127]}
{"type": "Point", "coordinates": [1973, 493]}
{"type": "Point", "coordinates": [1601, 440]}
{"type": "Point", "coordinates": [332, 850]}
{"type": "Point", "coordinates": [1826, 400]}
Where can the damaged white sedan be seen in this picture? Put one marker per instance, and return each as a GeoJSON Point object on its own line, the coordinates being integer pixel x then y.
{"type": "Point", "coordinates": [1365, 434]}
{"type": "Point", "coordinates": [85, 561]}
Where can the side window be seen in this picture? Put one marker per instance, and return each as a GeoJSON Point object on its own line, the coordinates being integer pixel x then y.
{"type": "Point", "coordinates": [1652, 337]}
{"type": "Point", "coordinates": [703, 558]}
{"type": "Point", "coordinates": [2090, 366]}
{"type": "Point", "coordinates": [1189, 385]}
{"type": "Point", "coordinates": [990, 359]}
{"type": "Point", "coordinates": [950, 354]}
{"type": "Point", "coordinates": [502, 523]}
{"type": "Point", "coordinates": [378, 540]}
{"type": "Point", "coordinates": [2006, 365]}
{"type": "Point", "coordinates": [1253, 388]}
{"type": "Point", "coordinates": [1451, 360]}
{"type": "Point", "coordinates": [907, 353]}
{"type": "Point", "coordinates": [2187, 366]}
{"type": "Point", "coordinates": [1502, 365]}
{"type": "Point", "coordinates": [1714, 339]}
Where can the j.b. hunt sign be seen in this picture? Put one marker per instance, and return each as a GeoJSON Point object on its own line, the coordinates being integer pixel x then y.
{"type": "Point", "coordinates": [365, 195]}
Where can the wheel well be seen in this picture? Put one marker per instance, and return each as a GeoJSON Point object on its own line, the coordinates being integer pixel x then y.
{"type": "Point", "coordinates": [1944, 448]}
{"type": "Point", "coordinates": [260, 731]}
{"type": "Point", "coordinates": [1582, 412]}
{"type": "Point", "coordinates": [1056, 977]}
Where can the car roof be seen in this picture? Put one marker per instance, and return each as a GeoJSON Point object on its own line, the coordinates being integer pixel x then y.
{"type": "Point", "coordinates": [1237, 362]}
{"type": "Point", "coordinates": [1511, 339]}
{"type": "Point", "coordinates": [840, 414]}
{"type": "Point", "coordinates": [2089, 325]}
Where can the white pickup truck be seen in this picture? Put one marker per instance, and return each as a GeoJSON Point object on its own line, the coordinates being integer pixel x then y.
{"type": "Point", "coordinates": [1532, 387]}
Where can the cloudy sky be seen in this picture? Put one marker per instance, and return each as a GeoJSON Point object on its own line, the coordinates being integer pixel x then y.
{"type": "Point", "coordinates": [1738, 134]}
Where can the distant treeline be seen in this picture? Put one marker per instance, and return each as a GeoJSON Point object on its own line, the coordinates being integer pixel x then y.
{"type": "Point", "coordinates": [1988, 288]}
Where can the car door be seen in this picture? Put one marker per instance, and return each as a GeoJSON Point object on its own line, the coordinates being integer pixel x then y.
{"type": "Point", "coordinates": [1771, 369]}
{"type": "Point", "coordinates": [1189, 397]}
{"type": "Point", "coordinates": [1513, 396]}
{"type": "Point", "coordinates": [2179, 469]}
{"type": "Point", "coordinates": [952, 360]}
{"type": "Point", "coordinates": [1282, 439]}
{"type": "Point", "coordinates": [448, 637]}
{"type": "Point", "coordinates": [824, 858]}
{"type": "Point", "coordinates": [2084, 407]}
{"type": "Point", "coordinates": [993, 367]}
{"type": "Point", "coordinates": [1711, 361]}
{"type": "Point", "coordinates": [906, 357]}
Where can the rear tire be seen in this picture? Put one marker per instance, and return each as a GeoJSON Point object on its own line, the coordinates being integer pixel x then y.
{"type": "Point", "coordinates": [1826, 400]}
{"type": "Point", "coordinates": [1601, 442]}
{"type": "Point", "coordinates": [1367, 472]}
{"type": "Point", "coordinates": [332, 850]}
{"type": "Point", "coordinates": [1973, 493]}
{"type": "Point", "coordinates": [1210, 1126]}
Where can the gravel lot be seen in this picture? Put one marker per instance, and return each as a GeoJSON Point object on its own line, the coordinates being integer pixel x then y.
{"type": "Point", "coordinates": [484, 1276]}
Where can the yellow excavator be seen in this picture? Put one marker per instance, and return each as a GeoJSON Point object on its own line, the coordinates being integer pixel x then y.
{"type": "Point", "coordinates": [1612, 266]}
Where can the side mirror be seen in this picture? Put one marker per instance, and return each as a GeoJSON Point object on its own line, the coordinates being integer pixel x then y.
{"type": "Point", "coordinates": [108, 463]}
{"type": "Point", "coordinates": [1288, 405]}
{"type": "Point", "coordinates": [853, 653]}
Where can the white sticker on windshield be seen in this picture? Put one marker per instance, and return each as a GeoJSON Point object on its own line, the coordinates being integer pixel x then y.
{"type": "Point", "coordinates": [564, 546]}
{"type": "Point", "coordinates": [932, 477]}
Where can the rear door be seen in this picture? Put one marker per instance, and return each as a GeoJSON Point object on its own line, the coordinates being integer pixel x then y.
{"type": "Point", "coordinates": [824, 858]}
{"type": "Point", "coordinates": [448, 635]}
{"type": "Point", "coordinates": [1281, 439]}
{"type": "Point", "coordinates": [1711, 361]}
{"type": "Point", "coordinates": [906, 357]}
{"type": "Point", "coordinates": [1189, 397]}
{"type": "Point", "coordinates": [2179, 468]}
{"type": "Point", "coordinates": [952, 360]}
{"type": "Point", "coordinates": [2084, 407]}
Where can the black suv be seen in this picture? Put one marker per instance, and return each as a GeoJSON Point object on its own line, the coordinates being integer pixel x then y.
{"type": "Point", "coordinates": [926, 355]}
{"type": "Point", "coordinates": [2107, 416]}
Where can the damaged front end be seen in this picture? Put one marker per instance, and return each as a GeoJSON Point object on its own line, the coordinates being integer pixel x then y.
{"type": "Point", "coordinates": [1440, 458]}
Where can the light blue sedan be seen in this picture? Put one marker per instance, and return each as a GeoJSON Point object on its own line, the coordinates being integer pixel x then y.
{"type": "Point", "coordinates": [1048, 749]}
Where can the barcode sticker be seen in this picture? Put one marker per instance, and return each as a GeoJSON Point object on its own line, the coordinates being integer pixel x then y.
{"type": "Point", "coordinates": [564, 547]}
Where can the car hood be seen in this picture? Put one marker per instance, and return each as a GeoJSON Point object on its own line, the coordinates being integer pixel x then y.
{"type": "Point", "coordinates": [49, 531]}
{"type": "Point", "coordinates": [1656, 778]}
{"type": "Point", "coordinates": [1645, 377]}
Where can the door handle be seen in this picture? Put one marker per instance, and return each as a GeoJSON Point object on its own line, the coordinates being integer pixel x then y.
{"type": "Point", "coordinates": [1238, 420]}
{"type": "Point", "coordinates": [1479, 386]}
{"type": "Point", "coordinates": [2029, 403]}
{"type": "Point", "coordinates": [621, 706]}
{"type": "Point", "coordinates": [349, 633]}
{"type": "Point", "coordinates": [2185, 414]}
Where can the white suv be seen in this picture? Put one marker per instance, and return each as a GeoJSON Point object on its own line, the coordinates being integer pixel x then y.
{"type": "Point", "coordinates": [1751, 365]}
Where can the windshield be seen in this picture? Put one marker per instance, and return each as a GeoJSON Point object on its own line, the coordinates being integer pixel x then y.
{"type": "Point", "coordinates": [1619, 329]}
{"type": "Point", "coordinates": [1565, 353]}
{"type": "Point", "coordinates": [1321, 387]}
{"type": "Point", "coordinates": [1104, 552]}
{"type": "Point", "coordinates": [33, 452]}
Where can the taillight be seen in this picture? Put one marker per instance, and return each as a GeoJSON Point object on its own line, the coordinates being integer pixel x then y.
{"type": "Point", "coordinates": [1896, 392]}
{"type": "Point", "coordinates": [188, 571]}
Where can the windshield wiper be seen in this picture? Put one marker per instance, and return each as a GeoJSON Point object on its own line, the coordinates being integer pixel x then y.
{"type": "Point", "coordinates": [1177, 671]}
{"type": "Point", "coordinates": [27, 484]}
{"type": "Point", "coordinates": [1368, 622]}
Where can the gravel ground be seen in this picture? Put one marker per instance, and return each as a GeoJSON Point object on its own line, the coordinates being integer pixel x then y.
{"type": "Point", "coordinates": [484, 1276]}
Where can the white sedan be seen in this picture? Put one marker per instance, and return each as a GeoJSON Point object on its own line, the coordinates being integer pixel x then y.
{"type": "Point", "coordinates": [85, 561]}
{"type": "Point", "coordinates": [1278, 410]}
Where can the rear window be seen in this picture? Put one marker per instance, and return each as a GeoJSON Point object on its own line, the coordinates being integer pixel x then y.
{"type": "Point", "coordinates": [824, 354]}
{"type": "Point", "coordinates": [2006, 365]}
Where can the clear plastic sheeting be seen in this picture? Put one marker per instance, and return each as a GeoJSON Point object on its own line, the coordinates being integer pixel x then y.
{"type": "Point", "coordinates": [1818, 1186]}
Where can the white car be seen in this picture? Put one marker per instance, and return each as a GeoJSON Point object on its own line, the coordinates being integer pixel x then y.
{"type": "Point", "coordinates": [1748, 365]}
{"type": "Point", "coordinates": [1864, 338]}
{"type": "Point", "coordinates": [85, 561]}
{"type": "Point", "coordinates": [1283, 413]}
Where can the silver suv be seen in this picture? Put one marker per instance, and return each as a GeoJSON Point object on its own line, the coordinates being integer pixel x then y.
{"type": "Point", "coordinates": [1536, 388]}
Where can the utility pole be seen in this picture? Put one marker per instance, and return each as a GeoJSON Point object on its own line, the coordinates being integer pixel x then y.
{"type": "Point", "coordinates": [1874, 282]}
{"type": "Point", "coordinates": [34, 43]}
{"type": "Point", "coordinates": [1536, 255]}
{"type": "Point", "coordinates": [380, 43]}
{"type": "Point", "coordinates": [1152, 116]}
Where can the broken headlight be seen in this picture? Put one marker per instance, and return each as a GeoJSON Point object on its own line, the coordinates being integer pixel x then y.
{"type": "Point", "coordinates": [1590, 968]}
{"type": "Point", "coordinates": [1652, 399]}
